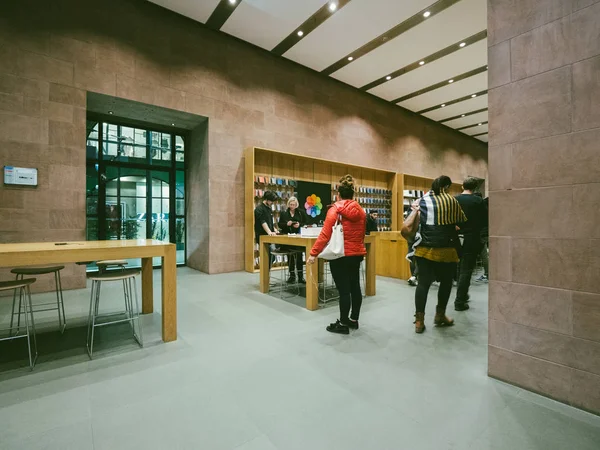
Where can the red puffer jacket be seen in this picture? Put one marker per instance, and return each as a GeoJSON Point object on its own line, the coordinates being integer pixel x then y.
{"type": "Point", "coordinates": [354, 224]}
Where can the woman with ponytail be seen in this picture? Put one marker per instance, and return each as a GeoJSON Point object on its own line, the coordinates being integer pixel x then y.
{"type": "Point", "coordinates": [438, 214]}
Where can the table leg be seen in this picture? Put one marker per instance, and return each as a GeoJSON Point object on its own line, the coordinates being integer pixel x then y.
{"type": "Point", "coordinates": [169, 295]}
{"type": "Point", "coordinates": [371, 270]}
{"type": "Point", "coordinates": [147, 286]}
{"type": "Point", "coordinates": [312, 283]}
{"type": "Point", "coordinates": [264, 267]}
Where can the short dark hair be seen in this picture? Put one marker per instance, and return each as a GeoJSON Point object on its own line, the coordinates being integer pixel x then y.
{"type": "Point", "coordinates": [373, 211]}
{"type": "Point", "coordinates": [471, 183]}
{"type": "Point", "coordinates": [270, 196]}
{"type": "Point", "coordinates": [346, 187]}
{"type": "Point", "coordinates": [443, 181]}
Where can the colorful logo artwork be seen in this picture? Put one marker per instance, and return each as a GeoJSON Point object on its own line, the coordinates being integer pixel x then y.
{"type": "Point", "coordinates": [313, 205]}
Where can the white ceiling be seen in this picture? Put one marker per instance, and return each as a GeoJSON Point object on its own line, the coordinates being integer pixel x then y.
{"type": "Point", "coordinates": [266, 23]}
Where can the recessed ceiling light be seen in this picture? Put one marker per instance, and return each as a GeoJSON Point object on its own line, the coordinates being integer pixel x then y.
{"type": "Point", "coordinates": [462, 115]}
{"type": "Point", "coordinates": [110, 112]}
{"type": "Point", "coordinates": [450, 81]}
{"type": "Point", "coordinates": [479, 124]}
{"type": "Point", "coordinates": [300, 33]}
{"type": "Point", "coordinates": [232, 2]}
{"type": "Point", "coordinates": [462, 44]}
{"type": "Point", "coordinates": [172, 124]}
{"type": "Point", "coordinates": [426, 14]}
{"type": "Point", "coordinates": [332, 6]}
{"type": "Point", "coordinates": [350, 58]}
{"type": "Point", "coordinates": [421, 63]}
{"type": "Point", "coordinates": [443, 104]}
{"type": "Point", "coordinates": [389, 77]}
{"type": "Point", "coordinates": [474, 95]}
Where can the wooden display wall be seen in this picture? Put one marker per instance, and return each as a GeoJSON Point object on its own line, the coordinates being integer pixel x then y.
{"type": "Point", "coordinates": [274, 164]}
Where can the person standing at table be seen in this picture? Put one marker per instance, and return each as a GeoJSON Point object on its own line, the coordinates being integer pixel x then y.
{"type": "Point", "coordinates": [345, 270]}
{"type": "Point", "coordinates": [263, 219]}
{"type": "Point", "coordinates": [290, 222]}
{"type": "Point", "coordinates": [372, 222]}
{"type": "Point", "coordinates": [437, 214]}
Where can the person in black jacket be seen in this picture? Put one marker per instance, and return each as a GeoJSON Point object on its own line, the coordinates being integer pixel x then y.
{"type": "Point", "coordinates": [290, 222]}
{"type": "Point", "coordinates": [263, 219]}
{"type": "Point", "coordinates": [476, 212]}
{"type": "Point", "coordinates": [372, 221]}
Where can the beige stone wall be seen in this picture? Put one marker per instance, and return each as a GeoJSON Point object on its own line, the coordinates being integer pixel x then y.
{"type": "Point", "coordinates": [544, 61]}
{"type": "Point", "coordinates": [53, 51]}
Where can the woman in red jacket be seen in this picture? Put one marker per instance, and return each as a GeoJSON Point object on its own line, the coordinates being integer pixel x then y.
{"type": "Point", "coordinates": [345, 270]}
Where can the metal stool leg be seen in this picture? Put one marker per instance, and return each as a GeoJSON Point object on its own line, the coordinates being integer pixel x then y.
{"type": "Point", "coordinates": [12, 315]}
{"type": "Point", "coordinates": [28, 312]}
{"type": "Point", "coordinates": [139, 339]}
{"type": "Point", "coordinates": [32, 326]}
{"type": "Point", "coordinates": [61, 306]}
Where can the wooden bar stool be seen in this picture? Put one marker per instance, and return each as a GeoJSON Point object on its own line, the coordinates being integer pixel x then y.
{"type": "Point", "coordinates": [132, 311]}
{"type": "Point", "coordinates": [24, 291]}
{"type": "Point", "coordinates": [20, 272]}
{"type": "Point", "coordinates": [281, 285]}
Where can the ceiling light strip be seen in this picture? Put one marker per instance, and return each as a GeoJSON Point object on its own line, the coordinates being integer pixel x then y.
{"type": "Point", "coordinates": [460, 116]}
{"type": "Point", "coordinates": [478, 124]}
{"type": "Point", "coordinates": [441, 84]}
{"type": "Point", "coordinates": [452, 102]}
{"type": "Point", "coordinates": [308, 26]}
{"type": "Point", "coordinates": [437, 55]}
{"type": "Point", "coordinates": [221, 13]}
{"type": "Point", "coordinates": [392, 33]}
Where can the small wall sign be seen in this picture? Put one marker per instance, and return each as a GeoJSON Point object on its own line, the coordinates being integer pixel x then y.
{"type": "Point", "coordinates": [20, 175]}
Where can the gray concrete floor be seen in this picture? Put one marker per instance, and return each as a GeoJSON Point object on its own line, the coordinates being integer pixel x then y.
{"type": "Point", "coordinates": [252, 372]}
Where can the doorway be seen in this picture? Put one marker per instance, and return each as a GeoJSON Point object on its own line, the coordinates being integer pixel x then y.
{"type": "Point", "coordinates": [135, 184]}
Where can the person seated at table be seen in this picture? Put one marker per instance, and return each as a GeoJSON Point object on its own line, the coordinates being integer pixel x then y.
{"type": "Point", "coordinates": [263, 219]}
{"type": "Point", "coordinates": [372, 221]}
{"type": "Point", "coordinates": [290, 222]}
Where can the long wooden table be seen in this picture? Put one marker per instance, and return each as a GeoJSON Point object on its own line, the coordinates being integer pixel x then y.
{"type": "Point", "coordinates": [312, 272]}
{"type": "Point", "coordinates": [33, 254]}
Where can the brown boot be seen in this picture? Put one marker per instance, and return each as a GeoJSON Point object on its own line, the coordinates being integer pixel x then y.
{"type": "Point", "coordinates": [419, 322]}
{"type": "Point", "coordinates": [441, 320]}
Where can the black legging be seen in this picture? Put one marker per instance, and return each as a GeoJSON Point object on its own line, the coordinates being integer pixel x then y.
{"type": "Point", "coordinates": [295, 259]}
{"type": "Point", "coordinates": [346, 275]}
{"type": "Point", "coordinates": [430, 271]}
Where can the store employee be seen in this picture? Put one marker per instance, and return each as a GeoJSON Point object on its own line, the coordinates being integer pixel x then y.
{"type": "Point", "coordinates": [290, 222]}
{"type": "Point", "coordinates": [263, 218]}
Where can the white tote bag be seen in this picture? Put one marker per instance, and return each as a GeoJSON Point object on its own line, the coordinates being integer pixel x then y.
{"type": "Point", "coordinates": [335, 246]}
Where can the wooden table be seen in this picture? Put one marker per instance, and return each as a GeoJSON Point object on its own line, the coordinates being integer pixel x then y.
{"type": "Point", "coordinates": [33, 254]}
{"type": "Point", "coordinates": [312, 272]}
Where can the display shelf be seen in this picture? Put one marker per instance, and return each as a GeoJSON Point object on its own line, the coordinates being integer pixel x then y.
{"type": "Point", "coordinates": [272, 164]}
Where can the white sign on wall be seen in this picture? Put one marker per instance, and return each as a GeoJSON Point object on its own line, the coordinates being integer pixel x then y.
{"type": "Point", "coordinates": [20, 175]}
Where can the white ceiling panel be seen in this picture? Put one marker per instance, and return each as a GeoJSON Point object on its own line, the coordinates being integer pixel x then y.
{"type": "Point", "coordinates": [457, 63]}
{"type": "Point", "coordinates": [275, 19]}
{"type": "Point", "coordinates": [453, 91]}
{"type": "Point", "coordinates": [357, 23]}
{"type": "Point", "coordinates": [460, 21]}
{"type": "Point", "coordinates": [458, 108]}
{"type": "Point", "coordinates": [468, 120]}
{"type": "Point", "coordinates": [476, 130]}
{"type": "Point", "coordinates": [483, 138]}
{"type": "Point", "coordinates": [194, 9]}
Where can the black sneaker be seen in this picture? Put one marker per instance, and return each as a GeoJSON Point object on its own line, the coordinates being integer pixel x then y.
{"type": "Point", "coordinates": [291, 280]}
{"type": "Point", "coordinates": [302, 280]}
{"type": "Point", "coordinates": [353, 324]}
{"type": "Point", "coordinates": [338, 328]}
{"type": "Point", "coordinates": [461, 306]}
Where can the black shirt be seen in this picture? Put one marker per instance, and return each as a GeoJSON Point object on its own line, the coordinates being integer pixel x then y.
{"type": "Point", "coordinates": [476, 212]}
{"type": "Point", "coordinates": [286, 216]}
{"type": "Point", "coordinates": [371, 224]}
{"type": "Point", "coordinates": [262, 214]}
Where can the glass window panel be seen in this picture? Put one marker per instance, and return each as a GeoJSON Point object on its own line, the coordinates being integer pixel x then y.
{"type": "Point", "coordinates": [180, 156]}
{"type": "Point", "coordinates": [110, 132]}
{"type": "Point", "coordinates": [110, 148]}
{"type": "Point", "coordinates": [180, 240]}
{"type": "Point", "coordinates": [139, 152]}
{"type": "Point", "coordinates": [160, 219]}
{"type": "Point", "coordinates": [92, 129]}
{"type": "Point", "coordinates": [128, 134]}
{"type": "Point", "coordinates": [92, 229]}
{"type": "Point", "coordinates": [179, 144]}
{"type": "Point", "coordinates": [180, 207]}
{"type": "Point", "coordinates": [180, 184]}
{"type": "Point", "coordinates": [114, 215]}
{"type": "Point", "coordinates": [91, 149]}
